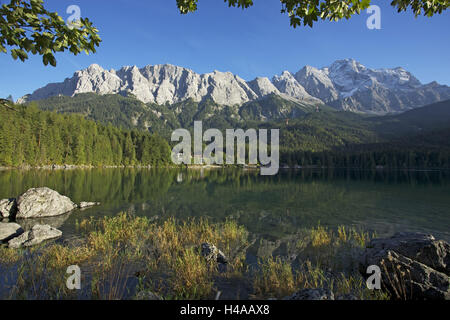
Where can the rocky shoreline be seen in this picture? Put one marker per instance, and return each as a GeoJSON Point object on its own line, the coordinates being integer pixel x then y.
{"type": "Point", "coordinates": [413, 266]}
{"type": "Point", "coordinates": [33, 204]}
{"type": "Point", "coordinates": [67, 167]}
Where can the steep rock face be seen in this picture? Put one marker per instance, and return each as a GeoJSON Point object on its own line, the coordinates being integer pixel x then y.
{"type": "Point", "coordinates": [379, 99]}
{"type": "Point", "coordinates": [263, 87]}
{"type": "Point", "coordinates": [96, 79]}
{"type": "Point", "coordinates": [227, 89]}
{"type": "Point", "coordinates": [317, 83]}
{"type": "Point", "coordinates": [348, 75]}
{"type": "Point", "coordinates": [156, 84]}
{"type": "Point", "coordinates": [93, 79]}
{"type": "Point", "coordinates": [345, 84]}
{"type": "Point", "coordinates": [287, 84]}
{"type": "Point", "coordinates": [349, 85]}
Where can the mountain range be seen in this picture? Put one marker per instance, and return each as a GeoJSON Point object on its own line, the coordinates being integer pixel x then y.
{"type": "Point", "coordinates": [344, 85]}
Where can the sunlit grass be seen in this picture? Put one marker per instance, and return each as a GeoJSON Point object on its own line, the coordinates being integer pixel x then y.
{"type": "Point", "coordinates": [191, 277]}
{"type": "Point", "coordinates": [164, 257]}
{"type": "Point", "coordinates": [355, 285]}
{"type": "Point", "coordinates": [169, 249]}
{"type": "Point", "coordinates": [8, 255]}
{"type": "Point", "coordinates": [58, 256]}
{"type": "Point", "coordinates": [360, 238]}
{"type": "Point", "coordinates": [320, 236]}
{"type": "Point", "coordinates": [275, 278]}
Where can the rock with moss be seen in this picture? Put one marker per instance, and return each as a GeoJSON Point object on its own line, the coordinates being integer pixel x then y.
{"type": "Point", "coordinates": [413, 265]}
{"type": "Point", "coordinates": [43, 202]}
{"type": "Point", "coordinates": [9, 231]}
{"type": "Point", "coordinates": [8, 208]}
{"type": "Point", "coordinates": [38, 234]}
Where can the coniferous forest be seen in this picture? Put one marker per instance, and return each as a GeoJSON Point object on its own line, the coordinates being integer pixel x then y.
{"type": "Point", "coordinates": [29, 136]}
{"type": "Point", "coordinates": [32, 136]}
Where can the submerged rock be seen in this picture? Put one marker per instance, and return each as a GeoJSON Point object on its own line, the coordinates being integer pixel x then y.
{"type": "Point", "coordinates": [36, 235]}
{"type": "Point", "coordinates": [413, 265]}
{"type": "Point", "coordinates": [8, 207]}
{"type": "Point", "coordinates": [211, 253]}
{"type": "Point", "coordinates": [84, 204]}
{"type": "Point", "coordinates": [312, 294]}
{"type": "Point", "coordinates": [43, 202]}
{"type": "Point", "coordinates": [9, 231]}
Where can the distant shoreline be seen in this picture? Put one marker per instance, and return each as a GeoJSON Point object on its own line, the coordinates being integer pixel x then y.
{"type": "Point", "coordinates": [200, 167]}
{"type": "Point", "coordinates": [75, 167]}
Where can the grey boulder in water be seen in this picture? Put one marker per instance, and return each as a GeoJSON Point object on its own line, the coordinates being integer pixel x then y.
{"type": "Point", "coordinates": [36, 235]}
{"type": "Point", "coordinates": [43, 202]}
{"type": "Point", "coordinates": [9, 231]}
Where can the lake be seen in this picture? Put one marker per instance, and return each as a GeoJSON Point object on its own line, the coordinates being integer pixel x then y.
{"type": "Point", "coordinates": [270, 207]}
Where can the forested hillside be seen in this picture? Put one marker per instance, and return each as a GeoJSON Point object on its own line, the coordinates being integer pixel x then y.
{"type": "Point", "coordinates": [433, 117]}
{"type": "Point", "coordinates": [418, 138]}
{"type": "Point", "coordinates": [319, 131]}
{"type": "Point", "coordinates": [273, 107]}
{"type": "Point", "coordinates": [425, 151]}
{"type": "Point", "coordinates": [309, 135]}
{"type": "Point", "coordinates": [131, 113]}
{"type": "Point", "coordinates": [29, 136]}
{"type": "Point", "coordinates": [125, 112]}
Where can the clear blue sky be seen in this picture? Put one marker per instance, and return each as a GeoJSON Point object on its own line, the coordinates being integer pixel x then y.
{"type": "Point", "coordinates": [253, 42]}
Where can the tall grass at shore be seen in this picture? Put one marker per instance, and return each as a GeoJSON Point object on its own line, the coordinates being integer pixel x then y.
{"type": "Point", "coordinates": [123, 256]}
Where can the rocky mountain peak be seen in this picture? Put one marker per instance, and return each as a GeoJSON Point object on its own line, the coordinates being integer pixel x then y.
{"type": "Point", "coordinates": [346, 65]}
{"type": "Point", "coordinates": [287, 84]}
{"type": "Point", "coordinates": [317, 83]}
{"type": "Point", "coordinates": [262, 86]}
{"type": "Point", "coordinates": [345, 84]}
{"type": "Point", "coordinates": [95, 68]}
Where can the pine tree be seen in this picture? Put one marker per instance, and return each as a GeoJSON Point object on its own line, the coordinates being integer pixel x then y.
{"type": "Point", "coordinates": [129, 152]}
{"type": "Point", "coordinates": [80, 150]}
